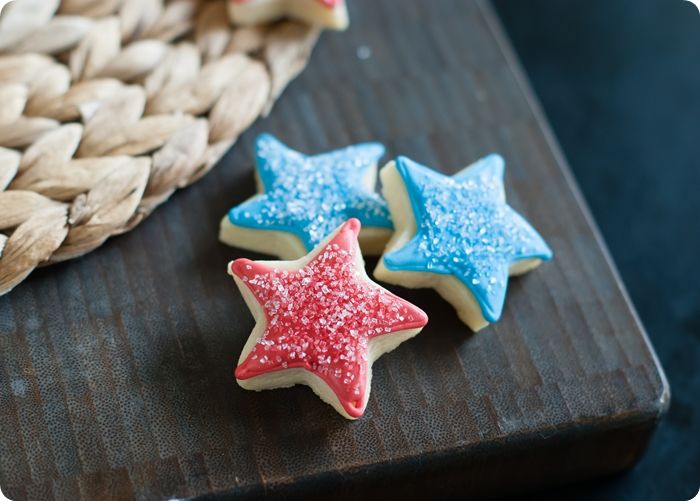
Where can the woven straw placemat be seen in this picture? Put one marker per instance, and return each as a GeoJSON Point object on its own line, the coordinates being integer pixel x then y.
{"type": "Point", "coordinates": [108, 106]}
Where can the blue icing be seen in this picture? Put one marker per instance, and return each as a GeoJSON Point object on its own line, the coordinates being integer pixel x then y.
{"type": "Point", "coordinates": [311, 196]}
{"type": "Point", "coordinates": [466, 229]}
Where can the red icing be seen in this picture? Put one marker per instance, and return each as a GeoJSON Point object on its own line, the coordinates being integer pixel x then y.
{"type": "Point", "coordinates": [331, 4]}
{"type": "Point", "coordinates": [322, 317]}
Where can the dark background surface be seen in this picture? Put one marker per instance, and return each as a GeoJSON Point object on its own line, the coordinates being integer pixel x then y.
{"type": "Point", "coordinates": [620, 83]}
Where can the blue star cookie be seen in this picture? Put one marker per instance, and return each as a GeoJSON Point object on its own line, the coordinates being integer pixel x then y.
{"type": "Point", "coordinates": [458, 235]}
{"type": "Point", "coordinates": [303, 198]}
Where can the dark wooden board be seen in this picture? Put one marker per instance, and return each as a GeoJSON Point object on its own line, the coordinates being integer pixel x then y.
{"type": "Point", "coordinates": [116, 370]}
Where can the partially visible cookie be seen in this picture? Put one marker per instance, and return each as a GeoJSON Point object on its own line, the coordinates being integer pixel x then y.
{"type": "Point", "coordinates": [457, 235]}
{"type": "Point", "coordinates": [331, 14]}
{"type": "Point", "coordinates": [302, 198]}
{"type": "Point", "coordinates": [321, 322]}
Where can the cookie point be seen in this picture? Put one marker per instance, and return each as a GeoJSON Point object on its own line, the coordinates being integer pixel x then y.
{"type": "Point", "coordinates": [497, 161]}
{"type": "Point", "coordinates": [241, 372]}
{"type": "Point", "coordinates": [400, 160]}
{"type": "Point", "coordinates": [265, 139]}
{"type": "Point", "coordinates": [238, 267]}
{"type": "Point", "coordinates": [495, 157]}
{"type": "Point", "coordinates": [355, 408]}
{"type": "Point", "coordinates": [404, 165]}
{"type": "Point", "coordinates": [353, 224]}
{"type": "Point", "coordinates": [422, 316]}
{"type": "Point", "coordinates": [378, 147]}
{"type": "Point", "coordinates": [548, 254]}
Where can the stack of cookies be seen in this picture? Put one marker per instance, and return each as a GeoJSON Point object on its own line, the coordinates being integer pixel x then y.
{"type": "Point", "coordinates": [320, 320]}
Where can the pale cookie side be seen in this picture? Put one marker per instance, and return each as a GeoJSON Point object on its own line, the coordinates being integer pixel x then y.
{"type": "Point", "coordinates": [332, 14]}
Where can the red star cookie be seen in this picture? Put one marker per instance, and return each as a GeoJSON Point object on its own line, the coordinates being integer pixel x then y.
{"type": "Point", "coordinates": [324, 13]}
{"type": "Point", "coordinates": [320, 321]}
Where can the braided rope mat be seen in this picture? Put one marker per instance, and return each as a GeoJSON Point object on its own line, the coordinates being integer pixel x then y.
{"type": "Point", "coordinates": [108, 106]}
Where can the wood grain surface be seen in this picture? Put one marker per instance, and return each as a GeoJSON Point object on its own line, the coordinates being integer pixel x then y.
{"type": "Point", "coordinates": [116, 370]}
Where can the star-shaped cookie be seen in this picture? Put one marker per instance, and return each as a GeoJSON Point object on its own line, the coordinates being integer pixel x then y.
{"type": "Point", "coordinates": [302, 198]}
{"type": "Point", "coordinates": [457, 235]}
{"type": "Point", "coordinates": [331, 14]}
{"type": "Point", "coordinates": [320, 321]}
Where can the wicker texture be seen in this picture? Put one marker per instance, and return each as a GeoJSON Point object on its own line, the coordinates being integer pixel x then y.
{"type": "Point", "coordinates": [108, 106]}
